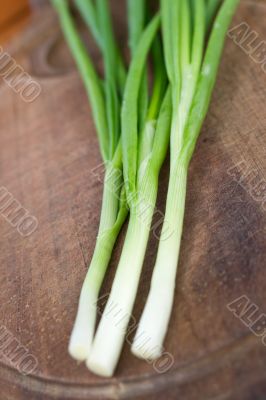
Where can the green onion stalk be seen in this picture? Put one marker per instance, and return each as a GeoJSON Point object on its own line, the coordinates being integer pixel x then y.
{"type": "Point", "coordinates": [143, 155]}
{"type": "Point", "coordinates": [105, 100]}
{"type": "Point", "coordinates": [192, 72]}
{"type": "Point", "coordinates": [137, 18]}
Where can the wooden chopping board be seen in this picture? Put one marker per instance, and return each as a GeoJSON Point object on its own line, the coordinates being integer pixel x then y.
{"type": "Point", "coordinates": [48, 149]}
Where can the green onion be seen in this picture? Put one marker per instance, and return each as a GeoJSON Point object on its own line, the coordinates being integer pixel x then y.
{"type": "Point", "coordinates": [90, 16]}
{"type": "Point", "coordinates": [136, 23]}
{"type": "Point", "coordinates": [211, 9]}
{"type": "Point", "coordinates": [106, 348]}
{"type": "Point", "coordinates": [192, 75]}
{"type": "Point", "coordinates": [106, 112]}
{"type": "Point", "coordinates": [134, 127]}
{"type": "Point", "coordinates": [90, 78]}
{"type": "Point", "coordinates": [141, 187]}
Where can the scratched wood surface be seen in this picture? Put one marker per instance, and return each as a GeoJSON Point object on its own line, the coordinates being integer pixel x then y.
{"type": "Point", "coordinates": [48, 150]}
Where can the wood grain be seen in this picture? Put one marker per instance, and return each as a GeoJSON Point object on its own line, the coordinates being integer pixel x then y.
{"type": "Point", "coordinates": [48, 149]}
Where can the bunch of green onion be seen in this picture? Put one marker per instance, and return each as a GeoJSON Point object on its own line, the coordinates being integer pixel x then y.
{"type": "Point", "coordinates": [136, 120]}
